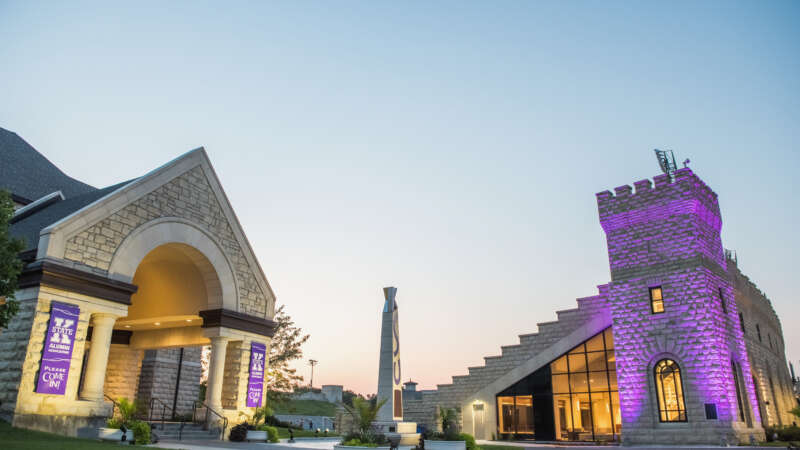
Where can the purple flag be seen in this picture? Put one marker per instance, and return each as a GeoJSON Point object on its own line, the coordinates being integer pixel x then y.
{"type": "Point", "coordinates": [255, 385]}
{"type": "Point", "coordinates": [61, 331]}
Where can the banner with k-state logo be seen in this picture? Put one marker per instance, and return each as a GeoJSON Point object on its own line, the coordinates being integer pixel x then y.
{"type": "Point", "coordinates": [255, 385]}
{"type": "Point", "coordinates": [61, 331]}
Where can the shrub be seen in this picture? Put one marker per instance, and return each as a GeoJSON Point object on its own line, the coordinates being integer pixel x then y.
{"type": "Point", "coordinates": [357, 443]}
{"type": "Point", "coordinates": [141, 432]}
{"type": "Point", "coordinates": [789, 433]}
{"type": "Point", "coordinates": [114, 422]}
{"type": "Point", "coordinates": [238, 432]}
{"type": "Point", "coordinates": [366, 438]}
{"type": "Point", "coordinates": [272, 432]}
{"type": "Point", "coordinates": [469, 441]}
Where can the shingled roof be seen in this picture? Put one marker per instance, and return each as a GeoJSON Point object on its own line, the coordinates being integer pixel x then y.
{"type": "Point", "coordinates": [28, 174]}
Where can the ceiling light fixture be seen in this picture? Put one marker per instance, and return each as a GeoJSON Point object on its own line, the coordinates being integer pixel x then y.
{"type": "Point", "coordinates": [157, 323]}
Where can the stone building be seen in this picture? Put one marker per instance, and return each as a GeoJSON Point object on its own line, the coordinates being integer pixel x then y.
{"type": "Point", "coordinates": [121, 288]}
{"type": "Point", "coordinates": [678, 348]}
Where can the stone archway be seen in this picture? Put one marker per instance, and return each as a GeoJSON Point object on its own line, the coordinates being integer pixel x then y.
{"type": "Point", "coordinates": [199, 246]}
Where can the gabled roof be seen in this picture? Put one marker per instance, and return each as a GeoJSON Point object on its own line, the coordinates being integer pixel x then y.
{"type": "Point", "coordinates": [29, 228]}
{"type": "Point", "coordinates": [28, 174]}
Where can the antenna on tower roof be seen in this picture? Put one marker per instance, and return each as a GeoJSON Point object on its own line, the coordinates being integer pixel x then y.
{"type": "Point", "coordinates": [666, 160]}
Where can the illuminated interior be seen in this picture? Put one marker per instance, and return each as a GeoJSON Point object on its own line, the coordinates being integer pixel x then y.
{"type": "Point", "coordinates": [669, 389]}
{"type": "Point", "coordinates": [172, 289]}
{"type": "Point", "coordinates": [574, 398]}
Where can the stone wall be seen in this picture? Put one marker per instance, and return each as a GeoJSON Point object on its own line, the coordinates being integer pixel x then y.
{"type": "Point", "coordinates": [668, 236]}
{"type": "Point", "coordinates": [764, 338]}
{"type": "Point", "coordinates": [13, 351]}
{"type": "Point", "coordinates": [159, 375]}
{"type": "Point", "coordinates": [424, 410]}
{"type": "Point", "coordinates": [236, 370]}
{"type": "Point", "coordinates": [188, 196]}
{"type": "Point", "coordinates": [122, 372]}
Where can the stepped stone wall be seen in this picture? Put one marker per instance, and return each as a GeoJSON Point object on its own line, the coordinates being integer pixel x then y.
{"type": "Point", "coordinates": [424, 410]}
{"type": "Point", "coordinates": [159, 375]}
{"type": "Point", "coordinates": [188, 196]}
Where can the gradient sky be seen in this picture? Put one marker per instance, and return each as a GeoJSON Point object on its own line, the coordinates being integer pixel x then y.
{"type": "Point", "coordinates": [451, 149]}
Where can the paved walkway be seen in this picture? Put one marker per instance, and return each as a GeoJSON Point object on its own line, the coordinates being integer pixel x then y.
{"type": "Point", "coordinates": [327, 444]}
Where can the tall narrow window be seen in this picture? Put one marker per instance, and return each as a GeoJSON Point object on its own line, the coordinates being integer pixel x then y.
{"type": "Point", "coordinates": [738, 386]}
{"type": "Point", "coordinates": [669, 391]}
{"type": "Point", "coordinates": [656, 300]}
{"type": "Point", "coordinates": [758, 331]}
{"type": "Point", "coordinates": [741, 323]}
{"type": "Point", "coordinates": [722, 301]}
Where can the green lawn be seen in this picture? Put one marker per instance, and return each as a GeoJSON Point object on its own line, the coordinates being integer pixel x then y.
{"type": "Point", "coordinates": [499, 447]}
{"type": "Point", "coordinates": [306, 408]}
{"type": "Point", "coordinates": [11, 437]}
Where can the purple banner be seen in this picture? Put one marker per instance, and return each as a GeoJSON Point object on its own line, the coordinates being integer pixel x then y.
{"type": "Point", "coordinates": [54, 368]}
{"type": "Point", "coordinates": [255, 385]}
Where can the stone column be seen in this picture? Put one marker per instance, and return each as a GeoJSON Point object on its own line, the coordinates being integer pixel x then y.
{"type": "Point", "coordinates": [216, 372]}
{"type": "Point", "coordinates": [102, 327]}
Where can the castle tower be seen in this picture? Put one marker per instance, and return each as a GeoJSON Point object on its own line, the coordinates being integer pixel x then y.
{"type": "Point", "coordinates": [682, 364]}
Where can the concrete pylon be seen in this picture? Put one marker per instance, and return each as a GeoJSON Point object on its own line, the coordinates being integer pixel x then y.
{"type": "Point", "coordinates": [389, 376]}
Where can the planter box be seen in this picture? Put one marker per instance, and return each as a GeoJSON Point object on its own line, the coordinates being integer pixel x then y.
{"type": "Point", "coordinates": [113, 434]}
{"type": "Point", "coordinates": [253, 435]}
{"type": "Point", "coordinates": [445, 445]}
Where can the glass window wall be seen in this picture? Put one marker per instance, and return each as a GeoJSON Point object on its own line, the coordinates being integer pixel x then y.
{"type": "Point", "coordinates": [585, 397]}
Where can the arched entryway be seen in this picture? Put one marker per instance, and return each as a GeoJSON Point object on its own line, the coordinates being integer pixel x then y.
{"type": "Point", "coordinates": [156, 356]}
{"type": "Point", "coordinates": [186, 299]}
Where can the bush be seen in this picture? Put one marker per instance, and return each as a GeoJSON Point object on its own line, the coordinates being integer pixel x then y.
{"type": "Point", "coordinates": [272, 432]}
{"type": "Point", "coordinates": [114, 422]}
{"type": "Point", "coordinates": [366, 438]}
{"type": "Point", "coordinates": [357, 443]}
{"type": "Point", "coordinates": [789, 433]}
{"type": "Point", "coordinates": [469, 440]}
{"type": "Point", "coordinates": [141, 432]}
{"type": "Point", "coordinates": [238, 432]}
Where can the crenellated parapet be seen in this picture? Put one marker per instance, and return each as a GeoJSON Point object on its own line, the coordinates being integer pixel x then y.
{"type": "Point", "coordinates": [664, 221]}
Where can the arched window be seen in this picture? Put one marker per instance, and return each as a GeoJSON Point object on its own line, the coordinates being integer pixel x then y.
{"type": "Point", "coordinates": [669, 390]}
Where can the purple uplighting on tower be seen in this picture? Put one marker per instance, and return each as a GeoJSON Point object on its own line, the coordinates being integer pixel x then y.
{"type": "Point", "coordinates": [667, 238]}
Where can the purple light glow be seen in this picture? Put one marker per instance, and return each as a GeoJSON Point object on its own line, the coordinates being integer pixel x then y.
{"type": "Point", "coordinates": [657, 235]}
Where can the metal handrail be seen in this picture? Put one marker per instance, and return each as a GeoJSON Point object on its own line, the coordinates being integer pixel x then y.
{"type": "Point", "coordinates": [116, 405]}
{"type": "Point", "coordinates": [205, 420]}
{"type": "Point", "coordinates": [164, 407]}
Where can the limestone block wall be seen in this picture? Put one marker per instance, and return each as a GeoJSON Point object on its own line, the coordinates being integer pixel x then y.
{"type": "Point", "coordinates": [188, 196]}
{"type": "Point", "coordinates": [122, 372]}
{"type": "Point", "coordinates": [14, 349]}
{"type": "Point", "coordinates": [236, 370]}
{"type": "Point", "coordinates": [159, 376]}
{"type": "Point", "coordinates": [763, 336]}
{"type": "Point", "coordinates": [668, 236]}
{"type": "Point", "coordinates": [63, 414]}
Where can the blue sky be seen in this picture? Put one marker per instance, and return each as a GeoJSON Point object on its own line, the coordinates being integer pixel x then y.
{"type": "Point", "coordinates": [452, 149]}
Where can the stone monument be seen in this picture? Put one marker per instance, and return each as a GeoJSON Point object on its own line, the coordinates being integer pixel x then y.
{"type": "Point", "coordinates": [390, 387]}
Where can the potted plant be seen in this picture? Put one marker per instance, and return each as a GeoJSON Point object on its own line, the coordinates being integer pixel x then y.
{"type": "Point", "coordinates": [449, 438]}
{"type": "Point", "coordinates": [257, 431]}
{"type": "Point", "coordinates": [363, 413]}
{"type": "Point", "coordinates": [121, 427]}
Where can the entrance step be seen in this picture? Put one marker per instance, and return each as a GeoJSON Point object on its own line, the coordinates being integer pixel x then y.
{"type": "Point", "coordinates": [171, 431]}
